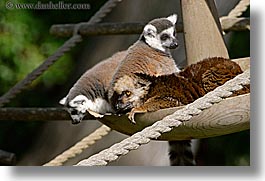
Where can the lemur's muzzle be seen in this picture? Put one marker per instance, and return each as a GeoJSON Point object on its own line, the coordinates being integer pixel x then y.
{"type": "Point", "coordinates": [174, 44]}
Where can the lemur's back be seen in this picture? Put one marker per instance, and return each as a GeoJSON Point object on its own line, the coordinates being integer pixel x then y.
{"type": "Point", "coordinates": [143, 59]}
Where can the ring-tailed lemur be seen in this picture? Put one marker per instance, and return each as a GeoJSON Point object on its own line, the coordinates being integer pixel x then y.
{"type": "Point", "coordinates": [149, 55]}
{"type": "Point", "coordinates": [89, 93]}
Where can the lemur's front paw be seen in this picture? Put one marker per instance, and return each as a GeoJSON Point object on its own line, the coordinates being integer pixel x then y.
{"type": "Point", "coordinates": [131, 116]}
{"type": "Point", "coordinates": [133, 111]}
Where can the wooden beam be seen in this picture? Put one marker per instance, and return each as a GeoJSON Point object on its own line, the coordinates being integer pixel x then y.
{"type": "Point", "coordinates": [212, 6]}
{"type": "Point", "coordinates": [36, 114]}
{"type": "Point", "coordinates": [201, 33]}
{"type": "Point", "coordinates": [66, 30]}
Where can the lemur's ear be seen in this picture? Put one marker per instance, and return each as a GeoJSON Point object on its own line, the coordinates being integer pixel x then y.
{"type": "Point", "coordinates": [63, 101]}
{"type": "Point", "coordinates": [149, 30]}
{"type": "Point", "coordinates": [173, 18]}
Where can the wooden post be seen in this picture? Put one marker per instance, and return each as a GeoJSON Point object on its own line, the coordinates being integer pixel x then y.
{"type": "Point", "coordinates": [201, 32]}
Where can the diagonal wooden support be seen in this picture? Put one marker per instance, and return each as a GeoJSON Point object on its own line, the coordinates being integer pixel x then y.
{"type": "Point", "coordinates": [201, 32]}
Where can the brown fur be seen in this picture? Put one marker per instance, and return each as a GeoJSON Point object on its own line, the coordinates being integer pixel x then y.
{"type": "Point", "coordinates": [193, 82]}
{"type": "Point", "coordinates": [183, 88]}
{"type": "Point", "coordinates": [141, 59]}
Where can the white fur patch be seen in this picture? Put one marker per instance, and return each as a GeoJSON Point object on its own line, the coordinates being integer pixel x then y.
{"type": "Point", "coordinates": [138, 94]}
{"type": "Point", "coordinates": [154, 39]}
{"type": "Point", "coordinates": [78, 117]}
{"type": "Point", "coordinates": [150, 29]}
{"type": "Point", "coordinates": [169, 32]}
{"type": "Point", "coordinates": [63, 101]}
{"type": "Point", "coordinates": [82, 104]}
{"type": "Point", "coordinates": [173, 18]}
{"type": "Point", "coordinates": [151, 38]}
{"type": "Point", "coordinates": [155, 43]}
{"type": "Point", "coordinates": [100, 106]}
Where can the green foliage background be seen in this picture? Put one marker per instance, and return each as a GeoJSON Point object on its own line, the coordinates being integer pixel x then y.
{"type": "Point", "coordinates": [25, 43]}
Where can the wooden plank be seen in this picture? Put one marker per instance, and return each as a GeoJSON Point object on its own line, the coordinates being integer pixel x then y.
{"type": "Point", "coordinates": [229, 116]}
{"type": "Point", "coordinates": [244, 63]}
{"type": "Point", "coordinates": [201, 34]}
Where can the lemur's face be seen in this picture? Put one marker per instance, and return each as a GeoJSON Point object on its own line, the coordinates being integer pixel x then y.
{"type": "Point", "coordinates": [128, 93]}
{"type": "Point", "coordinates": [77, 107]}
{"type": "Point", "coordinates": [160, 33]}
{"type": "Point", "coordinates": [80, 105]}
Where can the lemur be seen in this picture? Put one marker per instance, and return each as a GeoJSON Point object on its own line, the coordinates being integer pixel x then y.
{"type": "Point", "coordinates": [183, 87]}
{"type": "Point", "coordinates": [180, 89]}
{"type": "Point", "coordinates": [90, 92]}
{"type": "Point", "coordinates": [149, 55]}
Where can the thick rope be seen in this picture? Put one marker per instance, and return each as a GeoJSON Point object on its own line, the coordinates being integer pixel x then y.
{"type": "Point", "coordinates": [103, 11]}
{"type": "Point", "coordinates": [79, 147]}
{"type": "Point", "coordinates": [233, 15]}
{"type": "Point", "coordinates": [239, 9]}
{"type": "Point", "coordinates": [167, 123]}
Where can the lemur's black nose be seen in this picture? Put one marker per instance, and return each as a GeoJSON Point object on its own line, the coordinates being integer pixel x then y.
{"type": "Point", "coordinates": [76, 121]}
{"type": "Point", "coordinates": [174, 44]}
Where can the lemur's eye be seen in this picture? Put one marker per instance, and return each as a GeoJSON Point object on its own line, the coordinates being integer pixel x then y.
{"type": "Point", "coordinates": [164, 37]}
{"type": "Point", "coordinates": [127, 93]}
{"type": "Point", "coordinates": [79, 102]}
{"type": "Point", "coordinates": [73, 112]}
{"type": "Point", "coordinates": [150, 33]}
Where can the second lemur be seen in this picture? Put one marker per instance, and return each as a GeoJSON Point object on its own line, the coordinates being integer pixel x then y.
{"type": "Point", "coordinates": [149, 55]}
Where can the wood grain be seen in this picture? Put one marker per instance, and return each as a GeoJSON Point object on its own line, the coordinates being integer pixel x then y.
{"type": "Point", "coordinates": [201, 33]}
{"type": "Point", "coordinates": [229, 116]}
{"type": "Point", "coordinates": [244, 63]}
